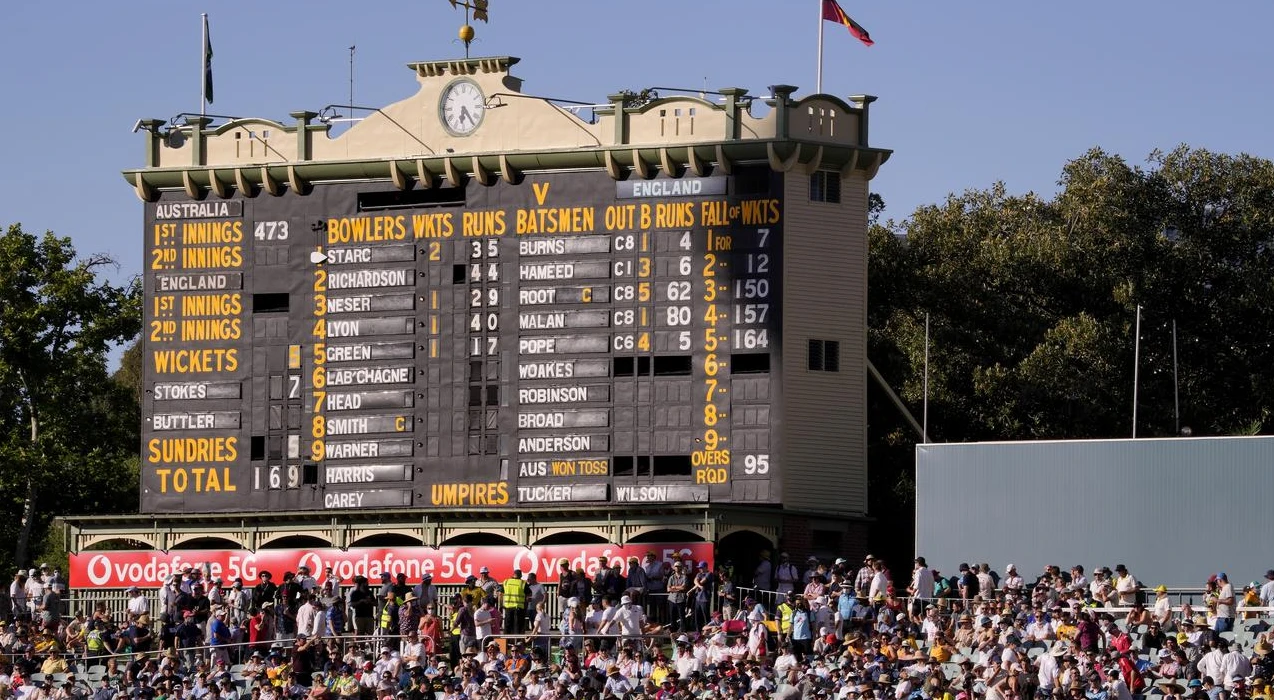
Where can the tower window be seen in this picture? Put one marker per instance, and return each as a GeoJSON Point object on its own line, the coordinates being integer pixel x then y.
{"type": "Point", "coordinates": [825, 187]}
{"type": "Point", "coordinates": [824, 356]}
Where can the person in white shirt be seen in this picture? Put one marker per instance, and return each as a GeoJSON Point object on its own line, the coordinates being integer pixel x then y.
{"type": "Point", "coordinates": [1224, 604]}
{"type": "Point", "coordinates": [1048, 667]}
{"type": "Point", "coordinates": [1234, 665]}
{"type": "Point", "coordinates": [238, 601]}
{"type": "Point", "coordinates": [307, 582]}
{"type": "Point", "coordinates": [1117, 688]}
{"type": "Point", "coordinates": [1013, 582]}
{"type": "Point", "coordinates": [1125, 586]}
{"type": "Point", "coordinates": [18, 595]}
{"type": "Point", "coordinates": [1210, 664]}
{"type": "Point", "coordinates": [786, 575]}
{"type": "Point", "coordinates": [1040, 630]}
{"type": "Point", "coordinates": [305, 615]}
{"type": "Point", "coordinates": [138, 604]}
{"type": "Point", "coordinates": [482, 620]}
{"type": "Point", "coordinates": [34, 589]}
{"type": "Point", "coordinates": [1078, 580]}
{"type": "Point", "coordinates": [1161, 611]}
{"type": "Point", "coordinates": [879, 582]}
{"type": "Point", "coordinates": [630, 618]}
{"type": "Point", "coordinates": [1267, 590]}
{"type": "Point", "coordinates": [388, 663]}
{"type": "Point", "coordinates": [986, 582]}
{"type": "Point", "coordinates": [921, 581]}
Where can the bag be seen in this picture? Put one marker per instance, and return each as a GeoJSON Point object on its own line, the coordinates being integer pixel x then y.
{"type": "Point", "coordinates": [733, 626]}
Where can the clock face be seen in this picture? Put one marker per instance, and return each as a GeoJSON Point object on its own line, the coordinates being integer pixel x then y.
{"type": "Point", "coordinates": [462, 107]}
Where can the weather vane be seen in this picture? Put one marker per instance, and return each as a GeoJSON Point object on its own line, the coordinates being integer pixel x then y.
{"type": "Point", "coordinates": [479, 10]}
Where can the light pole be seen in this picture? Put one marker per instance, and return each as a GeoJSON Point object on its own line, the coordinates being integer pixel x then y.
{"type": "Point", "coordinates": [1176, 402]}
{"type": "Point", "coordinates": [1136, 369]}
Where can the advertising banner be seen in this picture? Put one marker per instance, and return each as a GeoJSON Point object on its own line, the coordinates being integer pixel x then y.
{"type": "Point", "coordinates": [447, 565]}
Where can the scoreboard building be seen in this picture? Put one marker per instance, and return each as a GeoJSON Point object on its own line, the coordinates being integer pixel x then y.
{"type": "Point", "coordinates": [475, 319]}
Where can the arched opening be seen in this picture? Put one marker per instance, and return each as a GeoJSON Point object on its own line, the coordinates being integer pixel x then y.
{"type": "Point", "coordinates": [208, 543]}
{"type": "Point", "coordinates": [478, 539]}
{"type": "Point", "coordinates": [741, 552]}
{"type": "Point", "coordinates": [298, 542]}
{"type": "Point", "coordinates": [571, 537]}
{"type": "Point", "coordinates": [667, 535]}
{"type": "Point", "coordinates": [118, 545]}
{"type": "Point", "coordinates": [387, 539]}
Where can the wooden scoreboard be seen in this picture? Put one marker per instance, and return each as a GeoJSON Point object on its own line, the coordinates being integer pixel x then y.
{"type": "Point", "coordinates": [452, 305]}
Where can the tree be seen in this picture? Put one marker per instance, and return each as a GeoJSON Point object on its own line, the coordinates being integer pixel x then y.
{"type": "Point", "coordinates": [66, 430]}
{"type": "Point", "coordinates": [1033, 301]}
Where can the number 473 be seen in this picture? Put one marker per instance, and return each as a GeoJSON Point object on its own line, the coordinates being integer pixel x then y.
{"type": "Point", "coordinates": [271, 231]}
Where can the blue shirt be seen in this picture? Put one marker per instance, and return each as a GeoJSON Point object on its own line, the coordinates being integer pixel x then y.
{"type": "Point", "coordinates": [220, 633]}
{"type": "Point", "coordinates": [800, 624]}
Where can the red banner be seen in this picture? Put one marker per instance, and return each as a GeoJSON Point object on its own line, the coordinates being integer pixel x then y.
{"type": "Point", "coordinates": [150, 569]}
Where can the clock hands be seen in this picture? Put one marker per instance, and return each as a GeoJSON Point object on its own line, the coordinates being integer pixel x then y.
{"type": "Point", "coordinates": [464, 115]}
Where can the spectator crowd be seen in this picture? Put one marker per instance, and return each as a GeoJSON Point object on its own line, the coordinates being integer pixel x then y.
{"type": "Point", "coordinates": [649, 628]}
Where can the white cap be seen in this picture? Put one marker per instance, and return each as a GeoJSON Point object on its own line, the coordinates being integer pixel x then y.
{"type": "Point", "coordinates": [1010, 567]}
{"type": "Point", "coordinates": [625, 600]}
{"type": "Point", "coordinates": [484, 570]}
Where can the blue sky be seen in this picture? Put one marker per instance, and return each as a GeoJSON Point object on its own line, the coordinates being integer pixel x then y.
{"type": "Point", "coordinates": [970, 92]}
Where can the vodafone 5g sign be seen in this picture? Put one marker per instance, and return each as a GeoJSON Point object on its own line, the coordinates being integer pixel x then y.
{"type": "Point", "coordinates": [447, 565]}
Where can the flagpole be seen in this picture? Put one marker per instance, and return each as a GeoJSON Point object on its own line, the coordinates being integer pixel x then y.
{"type": "Point", "coordinates": [818, 82]}
{"type": "Point", "coordinates": [203, 67]}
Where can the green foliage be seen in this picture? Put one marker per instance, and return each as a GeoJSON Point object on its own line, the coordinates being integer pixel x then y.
{"type": "Point", "coordinates": [67, 431]}
{"type": "Point", "coordinates": [1032, 304]}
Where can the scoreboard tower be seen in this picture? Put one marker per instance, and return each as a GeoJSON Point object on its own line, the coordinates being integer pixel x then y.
{"type": "Point", "coordinates": [476, 301]}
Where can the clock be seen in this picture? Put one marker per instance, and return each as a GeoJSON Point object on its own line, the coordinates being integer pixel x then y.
{"type": "Point", "coordinates": [462, 107]}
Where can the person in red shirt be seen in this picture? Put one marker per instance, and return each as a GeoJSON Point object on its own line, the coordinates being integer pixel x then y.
{"type": "Point", "coordinates": [261, 627]}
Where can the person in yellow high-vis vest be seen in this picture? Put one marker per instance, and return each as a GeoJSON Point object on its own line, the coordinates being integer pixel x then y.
{"type": "Point", "coordinates": [514, 600]}
{"type": "Point", "coordinates": [784, 613]}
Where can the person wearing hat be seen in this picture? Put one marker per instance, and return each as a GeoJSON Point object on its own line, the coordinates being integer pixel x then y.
{"type": "Point", "coordinates": [265, 591]}
{"type": "Point", "coordinates": [616, 684]}
{"type": "Point", "coordinates": [138, 604]}
{"type": "Point", "coordinates": [1262, 661]}
{"type": "Point", "coordinates": [426, 593]}
{"type": "Point", "coordinates": [786, 575]}
{"type": "Point", "coordinates": [656, 583]}
{"type": "Point", "coordinates": [1161, 611]}
{"type": "Point", "coordinates": [678, 584]}
{"type": "Point", "coordinates": [490, 587]}
{"type": "Point", "coordinates": [388, 626]}
{"type": "Point", "coordinates": [409, 615]}
{"type": "Point", "coordinates": [1125, 586]}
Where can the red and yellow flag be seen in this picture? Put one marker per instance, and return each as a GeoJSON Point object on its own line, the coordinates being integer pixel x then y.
{"type": "Point", "coordinates": [832, 12]}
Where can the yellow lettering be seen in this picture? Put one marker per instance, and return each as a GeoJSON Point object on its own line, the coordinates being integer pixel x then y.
{"type": "Point", "coordinates": [366, 229]}
{"type": "Point", "coordinates": [195, 361]}
{"type": "Point", "coordinates": [196, 480]}
{"type": "Point", "coordinates": [560, 220]}
{"type": "Point", "coordinates": [541, 190]}
{"type": "Point", "coordinates": [192, 450]}
{"type": "Point", "coordinates": [494, 493]}
{"type": "Point", "coordinates": [433, 225]}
